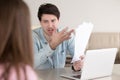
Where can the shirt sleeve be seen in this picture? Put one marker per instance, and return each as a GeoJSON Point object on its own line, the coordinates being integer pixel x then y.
{"type": "Point", "coordinates": [41, 52]}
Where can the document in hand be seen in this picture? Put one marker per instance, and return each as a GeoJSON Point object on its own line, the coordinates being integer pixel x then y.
{"type": "Point", "coordinates": [82, 35]}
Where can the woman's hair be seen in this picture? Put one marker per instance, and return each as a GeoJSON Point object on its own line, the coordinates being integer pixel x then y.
{"type": "Point", "coordinates": [15, 36]}
{"type": "Point", "coordinates": [48, 8]}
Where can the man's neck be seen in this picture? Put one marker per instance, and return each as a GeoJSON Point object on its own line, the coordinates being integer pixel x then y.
{"type": "Point", "coordinates": [48, 38]}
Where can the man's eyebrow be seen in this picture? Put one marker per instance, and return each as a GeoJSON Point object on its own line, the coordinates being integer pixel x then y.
{"type": "Point", "coordinates": [44, 20]}
{"type": "Point", "coordinates": [53, 19]}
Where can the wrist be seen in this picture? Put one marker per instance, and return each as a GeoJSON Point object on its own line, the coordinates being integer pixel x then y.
{"type": "Point", "coordinates": [52, 46]}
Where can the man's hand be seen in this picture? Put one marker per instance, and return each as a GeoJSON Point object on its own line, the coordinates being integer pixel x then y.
{"type": "Point", "coordinates": [59, 37]}
{"type": "Point", "coordinates": [77, 65]}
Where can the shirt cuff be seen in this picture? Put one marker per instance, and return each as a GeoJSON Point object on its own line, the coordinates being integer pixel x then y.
{"type": "Point", "coordinates": [74, 69]}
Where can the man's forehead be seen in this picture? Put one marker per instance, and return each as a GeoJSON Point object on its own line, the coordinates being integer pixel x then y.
{"type": "Point", "coordinates": [48, 16]}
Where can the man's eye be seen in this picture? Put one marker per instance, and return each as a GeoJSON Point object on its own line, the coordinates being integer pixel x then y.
{"type": "Point", "coordinates": [53, 20]}
{"type": "Point", "coordinates": [45, 21]}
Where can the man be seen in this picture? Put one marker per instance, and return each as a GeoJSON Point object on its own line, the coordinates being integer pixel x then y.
{"type": "Point", "coordinates": [50, 43]}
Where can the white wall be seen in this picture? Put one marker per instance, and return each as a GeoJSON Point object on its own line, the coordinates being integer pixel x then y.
{"type": "Point", "coordinates": [104, 14]}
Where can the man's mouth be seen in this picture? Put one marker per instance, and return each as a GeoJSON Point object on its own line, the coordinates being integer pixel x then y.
{"type": "Point", "coordinates": [50, 30]}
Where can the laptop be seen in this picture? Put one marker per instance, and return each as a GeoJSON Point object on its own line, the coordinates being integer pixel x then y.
{"type": "Point", "coordinates": [97, 64]}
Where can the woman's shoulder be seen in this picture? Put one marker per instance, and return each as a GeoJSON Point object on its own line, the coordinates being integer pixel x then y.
{"type": "Point", "coordinates": [27, 71]}
{"type": "Point", "coordinates": [31, 74]}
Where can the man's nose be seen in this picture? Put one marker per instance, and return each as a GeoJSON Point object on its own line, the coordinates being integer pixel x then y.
{"type": "Point", "coordinates": [50, 24]}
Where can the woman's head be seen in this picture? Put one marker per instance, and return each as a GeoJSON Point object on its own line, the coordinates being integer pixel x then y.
{"type": "Point", "coordinates": [15, 33]}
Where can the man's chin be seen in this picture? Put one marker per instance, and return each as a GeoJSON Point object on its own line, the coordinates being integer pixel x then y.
{"type": "Point", "coordinates": [49, 34]}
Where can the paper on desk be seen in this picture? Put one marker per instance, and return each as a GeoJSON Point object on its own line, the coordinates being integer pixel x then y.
{"type": "Point", "coordinates": [82, 35]}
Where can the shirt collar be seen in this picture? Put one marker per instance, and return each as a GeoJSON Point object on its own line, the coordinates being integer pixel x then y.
{"type": "Point", "coordinates": [42, 36]}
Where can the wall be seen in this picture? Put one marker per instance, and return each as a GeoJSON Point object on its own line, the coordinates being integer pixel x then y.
{"type": "Point", "coordinates": [104, 14]}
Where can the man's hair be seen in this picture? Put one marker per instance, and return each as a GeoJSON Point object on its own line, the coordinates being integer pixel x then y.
{"type": "Point", "coordinates": [48, 9]}
{"type": "Point", "coordinates": [15, 36]}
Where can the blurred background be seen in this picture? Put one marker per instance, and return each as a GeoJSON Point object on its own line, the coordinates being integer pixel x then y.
{"type": "Point", "coordinates": [104, 14]}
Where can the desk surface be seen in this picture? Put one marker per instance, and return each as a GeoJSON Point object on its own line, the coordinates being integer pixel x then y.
{"type": "Point", "coordinates": [54, 74]}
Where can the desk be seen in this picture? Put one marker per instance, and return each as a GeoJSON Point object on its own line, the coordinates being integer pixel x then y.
{"type": "Point", "coordinates": [54, 74]}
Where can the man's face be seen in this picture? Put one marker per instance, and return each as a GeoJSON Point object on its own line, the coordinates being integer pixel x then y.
{"type": "Point", "coordinates": [49, 23]}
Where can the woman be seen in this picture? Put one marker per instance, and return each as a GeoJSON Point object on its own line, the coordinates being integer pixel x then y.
{"type": "Point", "coordinates": [16, 55]}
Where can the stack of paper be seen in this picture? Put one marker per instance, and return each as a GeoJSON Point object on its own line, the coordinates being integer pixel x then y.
{"type": "Point", "coordinates": [82, 35]}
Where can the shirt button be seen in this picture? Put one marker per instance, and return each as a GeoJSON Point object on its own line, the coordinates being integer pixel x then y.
{"type": "Point", "coordinates": [45, 42]}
